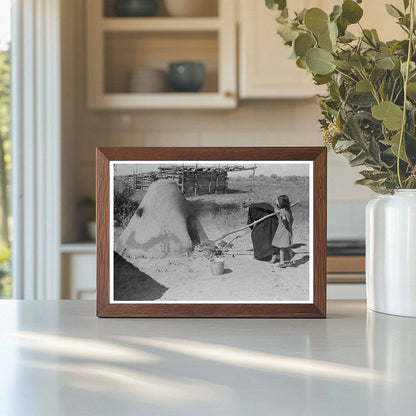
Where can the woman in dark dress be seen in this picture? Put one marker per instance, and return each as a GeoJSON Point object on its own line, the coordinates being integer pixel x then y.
{"type": "Point", "coordinates": [262, 233]}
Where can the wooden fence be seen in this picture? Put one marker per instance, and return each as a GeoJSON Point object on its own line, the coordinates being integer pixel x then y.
{"type": "Point", "coordinates": [192, 180]}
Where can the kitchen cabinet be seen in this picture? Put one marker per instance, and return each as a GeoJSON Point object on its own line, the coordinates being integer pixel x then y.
{"type": "Point", "coordinates": [78, 264]}
{"type": "Point", "coordinates": [118, 45]}
{"type": "Point", "coordinates": [265, 70]}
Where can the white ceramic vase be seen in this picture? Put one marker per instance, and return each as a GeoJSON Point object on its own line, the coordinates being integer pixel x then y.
{"type": "Point", "coordinates": [391, 253]}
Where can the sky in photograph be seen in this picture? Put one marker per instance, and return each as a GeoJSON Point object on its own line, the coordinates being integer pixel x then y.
{"type": "Point", "coordinates": [301, 169]}
{"type": "Point", "coordinates": [5, 20]}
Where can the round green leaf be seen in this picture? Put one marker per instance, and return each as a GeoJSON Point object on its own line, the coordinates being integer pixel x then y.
{"type": "Point", "coordinates": [319, 61]}
{"type": "Point", "coordinates": [327, 40]}
{"type": "Point", "coordinates": [342, 25]}
{"type": "Point", "coordinates": [316, 20]}
{"type": "Point", "coordinates": [363, 86]}
{"type": "Point", "coordinates": [391, 114]}
{"type": "Point", "coordinates": [303, 43]}
{"type": "Point", "coordinates": [358, 61]}
{"type": "Point", "coordinates": [324, 42]}
{"type": "Point", "coordinates": [403, 65]}
{"type": "Point", "coordinates": [333, 32]}
{"type": "Point", "coordinates": [351, 11]}
{"type": "Point", "coordinates": [385, 63]}
{"type": "Point", "coordinates": [286, 32]}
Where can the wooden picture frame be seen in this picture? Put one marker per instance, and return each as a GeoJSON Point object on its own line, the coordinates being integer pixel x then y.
{"type": "Point", "coordinates": [316, 308]}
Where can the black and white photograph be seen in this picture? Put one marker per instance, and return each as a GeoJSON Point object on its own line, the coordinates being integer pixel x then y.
{"type": "Point", "coordinates": [211, 232]}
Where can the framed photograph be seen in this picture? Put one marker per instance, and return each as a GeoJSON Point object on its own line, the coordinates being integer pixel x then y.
{"type": "Point", "coordinates": [211, 232]}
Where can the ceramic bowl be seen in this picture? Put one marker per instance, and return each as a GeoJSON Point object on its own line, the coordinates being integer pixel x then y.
{"type": "Point", "coordinates": [136, 8]}
{"type": "Point", "coordinates": [186, 76]}
{"type": "Point", "coordinates": [147, 80]}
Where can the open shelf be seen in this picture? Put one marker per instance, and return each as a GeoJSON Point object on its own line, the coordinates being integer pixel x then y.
{"type": "Point", "coordinates": [127, 51]}
{"type": "Point", "coordinates": [108, 9]}
{"type": "Point", "coordinates": [160, 24]}
{"type": "Point", "coordinates": [116, 46]}
{"type": "Point", "coordinates": [130, 101]}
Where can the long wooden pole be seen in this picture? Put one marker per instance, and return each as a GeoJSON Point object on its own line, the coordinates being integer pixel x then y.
{"type": "Point", "coordinates": [250, 225]}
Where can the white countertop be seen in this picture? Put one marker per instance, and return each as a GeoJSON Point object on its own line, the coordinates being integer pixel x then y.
{"type": "Point", "coordinates": [57, 359]}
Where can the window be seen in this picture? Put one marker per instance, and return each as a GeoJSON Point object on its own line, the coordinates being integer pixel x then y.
{"type": "Point", "coordinates": [5, 145]}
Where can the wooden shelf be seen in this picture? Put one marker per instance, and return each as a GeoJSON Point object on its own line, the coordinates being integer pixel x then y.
{"type": "Point", "coordinates": [345, 278]}
{"type": "Point", "coordinates": [116, 46]}
{"type": "Point", "coordinates": [159, 24]}
{"type": "Point", "coordinates": [80, 247]}
{"type": "Point", "coordinates": [346, 264]}
{"type": "Point", "coordinates": [128, 101]}
{"type": "Point", "coordinates": [346, 269]}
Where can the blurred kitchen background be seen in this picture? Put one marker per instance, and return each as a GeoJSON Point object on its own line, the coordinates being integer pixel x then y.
{"type": "Point", "coordinates": [118, 88]}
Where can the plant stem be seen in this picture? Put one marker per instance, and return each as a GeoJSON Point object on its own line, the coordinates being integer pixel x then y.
{"type": "Point", "coordinates": [406, 80]}
{"type": "Point", "coordinates": [392, 90]}
{"type": "Point", "coordinates": [345, 75]}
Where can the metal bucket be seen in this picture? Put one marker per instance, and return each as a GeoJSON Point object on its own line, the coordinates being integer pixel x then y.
{"type": "Point", "coordinates": [217, 267]}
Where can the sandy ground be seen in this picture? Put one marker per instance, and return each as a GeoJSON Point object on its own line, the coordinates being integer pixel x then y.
{"type": "Point", "coordinates": [188, 278]}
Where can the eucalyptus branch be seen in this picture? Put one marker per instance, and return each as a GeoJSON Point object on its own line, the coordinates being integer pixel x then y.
{"type": "Point", "coordinates": [369, 41]}
{"type": "Point", "coordinates": [364, 108]}
{"type": "Point", "coordinates": [406, 80]}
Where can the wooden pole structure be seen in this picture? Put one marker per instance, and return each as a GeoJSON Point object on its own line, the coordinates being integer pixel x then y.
{"type": "Point", "coordinates": [216, 179]}
{"type": "Point", "coordinates": [196, 180]}
{"type": "Point", "coordinates": [250, 225]}
{"type": "Point", "coordinates": [183, 178]}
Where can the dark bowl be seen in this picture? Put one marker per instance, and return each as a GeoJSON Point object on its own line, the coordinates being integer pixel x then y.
{"type": "Point", "coordinates": [136, 8]}
{"type": "Point", "coordinates": [186, 76]}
